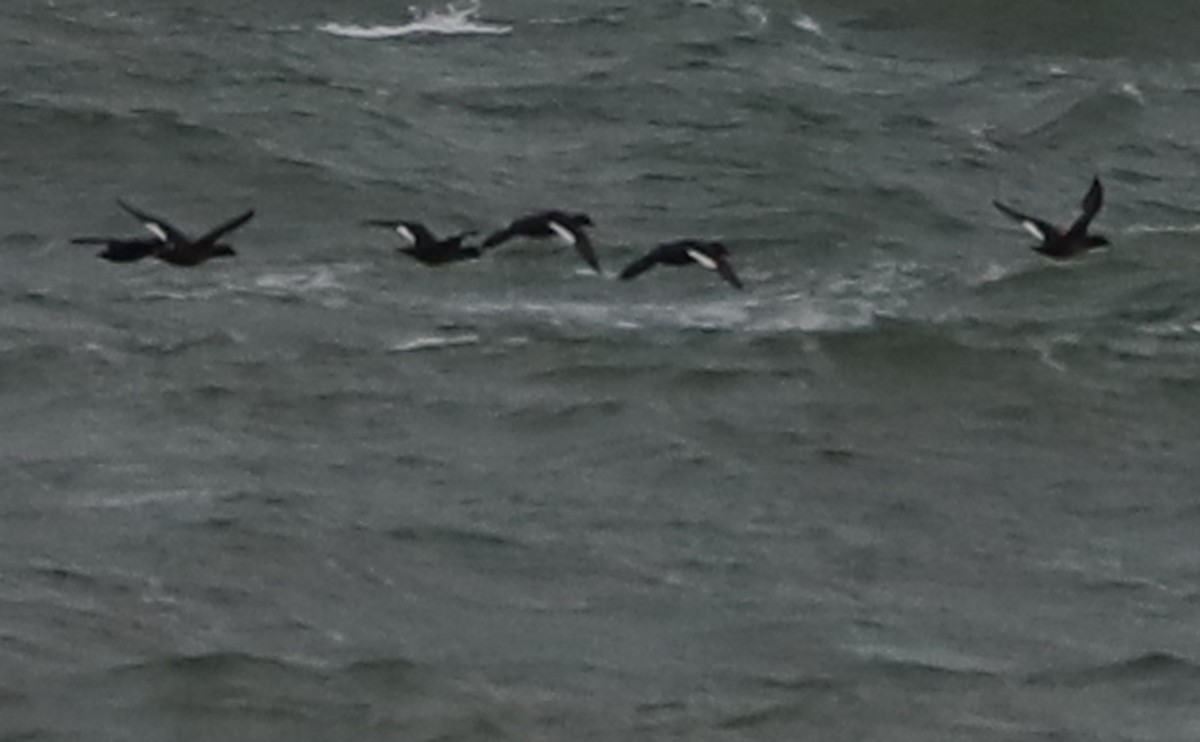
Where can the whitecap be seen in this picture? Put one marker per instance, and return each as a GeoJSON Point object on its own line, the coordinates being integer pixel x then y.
{"type": "Point", "coordinates": [994, 272]}
{"type": "Point", "coordinates": [757, 16]}
{"type": "Point", "coordinates": [1131, 90]}
{"type": "Point", "coordinates": [454, 20]}
{"type": "Point", "coordinates": [806, 22]}
{"type": "Point", "coordinates": [323, 278]}
{"type": "Point", "coordinates": [1163, 229]}
{"type": "Point", "coordinates": [1045, 353]}
{"type": "Point", "coordinates": [125, 500]}
{"type": "Point", "coordinates": [434, 342]}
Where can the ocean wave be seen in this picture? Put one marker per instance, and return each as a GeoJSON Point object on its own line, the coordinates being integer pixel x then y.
{"type": "Point", "coordinates": [564, 316]}
{"type": "Point", "coordinates": [320, 278]}
{"type": "Point", "coordinates": [1031, 27]}
{"type": "Point", "coordinates": [1138, 229]}
{"type": "Point", "coordinates": [453, 20]}
{"type": "Point", "coordinates": [434, 342]}
{"type": "Point", "coordinates": [928, 662]}
{"type": "Point", "coordinates": [452, 536]}
{"type": "Point", "coordinates": [1064, 119]}
{"type": "Point", "coordinates": [774, 714]}
{"type": "Point", "coordinates": [756, 17]}
{"type": "Point", "coordinates": [234, 665]}
{"type": "Point", "coordinates": [806, 22]}
{"type": "Point", "coordinates": [322, 284]}
{"type": "Point", "coordinates": [125, 500]}
{"type": "Point", "coordinates": [1148, 666]}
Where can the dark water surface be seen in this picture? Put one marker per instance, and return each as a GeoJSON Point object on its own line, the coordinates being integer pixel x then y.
{"type": "Point", "coordinates": [914, 483]}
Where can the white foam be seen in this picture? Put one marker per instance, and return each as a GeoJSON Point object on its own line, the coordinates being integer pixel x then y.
{"type": "Point", "coordinates": [320, 279]}
{"type": "Point", "coordinates": [1045, 352]}
{"type": "Point", "coordinates": [1163, 229]}
{"type": "Point", "coordinates": [454, 20]}
{"type": "Point", "coordinates": [1131, 90]}
{"type": "Point", "coordinates": [806, 22]}
{"type": "Point", "coordinates": [139, 499]}
{"type": "Point", "coordinates": [994, 272]}
{"type": "Point", "coordinates": [434, 342]}
{"type": "Point", "coordinates": [757, 16]}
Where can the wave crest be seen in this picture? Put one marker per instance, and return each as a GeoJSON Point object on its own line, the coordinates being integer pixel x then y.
{"type": "Point", "coordinates": [453, 20]}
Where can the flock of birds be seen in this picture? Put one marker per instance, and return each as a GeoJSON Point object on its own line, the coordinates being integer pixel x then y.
{"type": "Point", "coordinates": [171, 245]}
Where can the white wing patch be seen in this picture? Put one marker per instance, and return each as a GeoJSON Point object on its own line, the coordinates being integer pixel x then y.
{"type": "Point", "coordinates": [702, 259]}
{"type": "Point", "coordinates": [564, 234]}
{"type": "Point", "coordinates": [406, 235]}
{"type": "Point", "coordinates": [1032, 229]}
{"type": "Point", "coordinates": [157, 231]}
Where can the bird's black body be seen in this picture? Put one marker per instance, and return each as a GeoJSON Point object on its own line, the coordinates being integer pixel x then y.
{"type": "Point", "coordinates": [168, 244]}
{"type": "Point", "coordinates": [1059, 244]}
{"type": "Point", "coordinates": [123, 250]}
{"type": "Point", "coordinates": [421, 244]}
{"type": "Point", "coordinates": [567, 226]}
{"type": "Point", "coordinates": [710, 255]}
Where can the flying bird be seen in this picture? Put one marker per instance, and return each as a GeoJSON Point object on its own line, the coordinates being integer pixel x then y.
{"type": "Point", "coordinates": [179, 249]}
{"type": "Point", "coordinates": [567, 227]}
{"type": "Point", "coordinates": [424, 247]}
{"type": "Point", "coordinates": [711, 255]}
{"type": "Point", "coordinates": [1055, 243]}
{"type": "Point", "coordinates": [168, 244]}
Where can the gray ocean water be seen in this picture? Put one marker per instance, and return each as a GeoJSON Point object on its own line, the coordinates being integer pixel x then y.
{"type": "Point", "coordinates": [914, 483]}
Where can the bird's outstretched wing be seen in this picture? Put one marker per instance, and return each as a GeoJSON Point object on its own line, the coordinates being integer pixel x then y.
{"type": "Point", "coordinates": [1039, 228]}
{"type": "Point", "coordinates": [714, 262]}
{"type": "Point", "coordinates": [640, 266]}
{"type": "Point", "coordinates": [97, 240]}
{"type": "Point", "coordinates": [583, 245]}
{"type": "Point", "coordinates": [495, 239]}
{"type": "Point", "coordinates": [160, 228]}
{"type": "Point", "coordinates": [216, 233]}
{"type": "Point", "coordinates": [725, 269]}
{"type": "Point", "coordinates": [1092, 201]}
{"type": "Point", "coordinates": [413, 233]}
{"type": "Point", "coordinates": [457, 239]}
